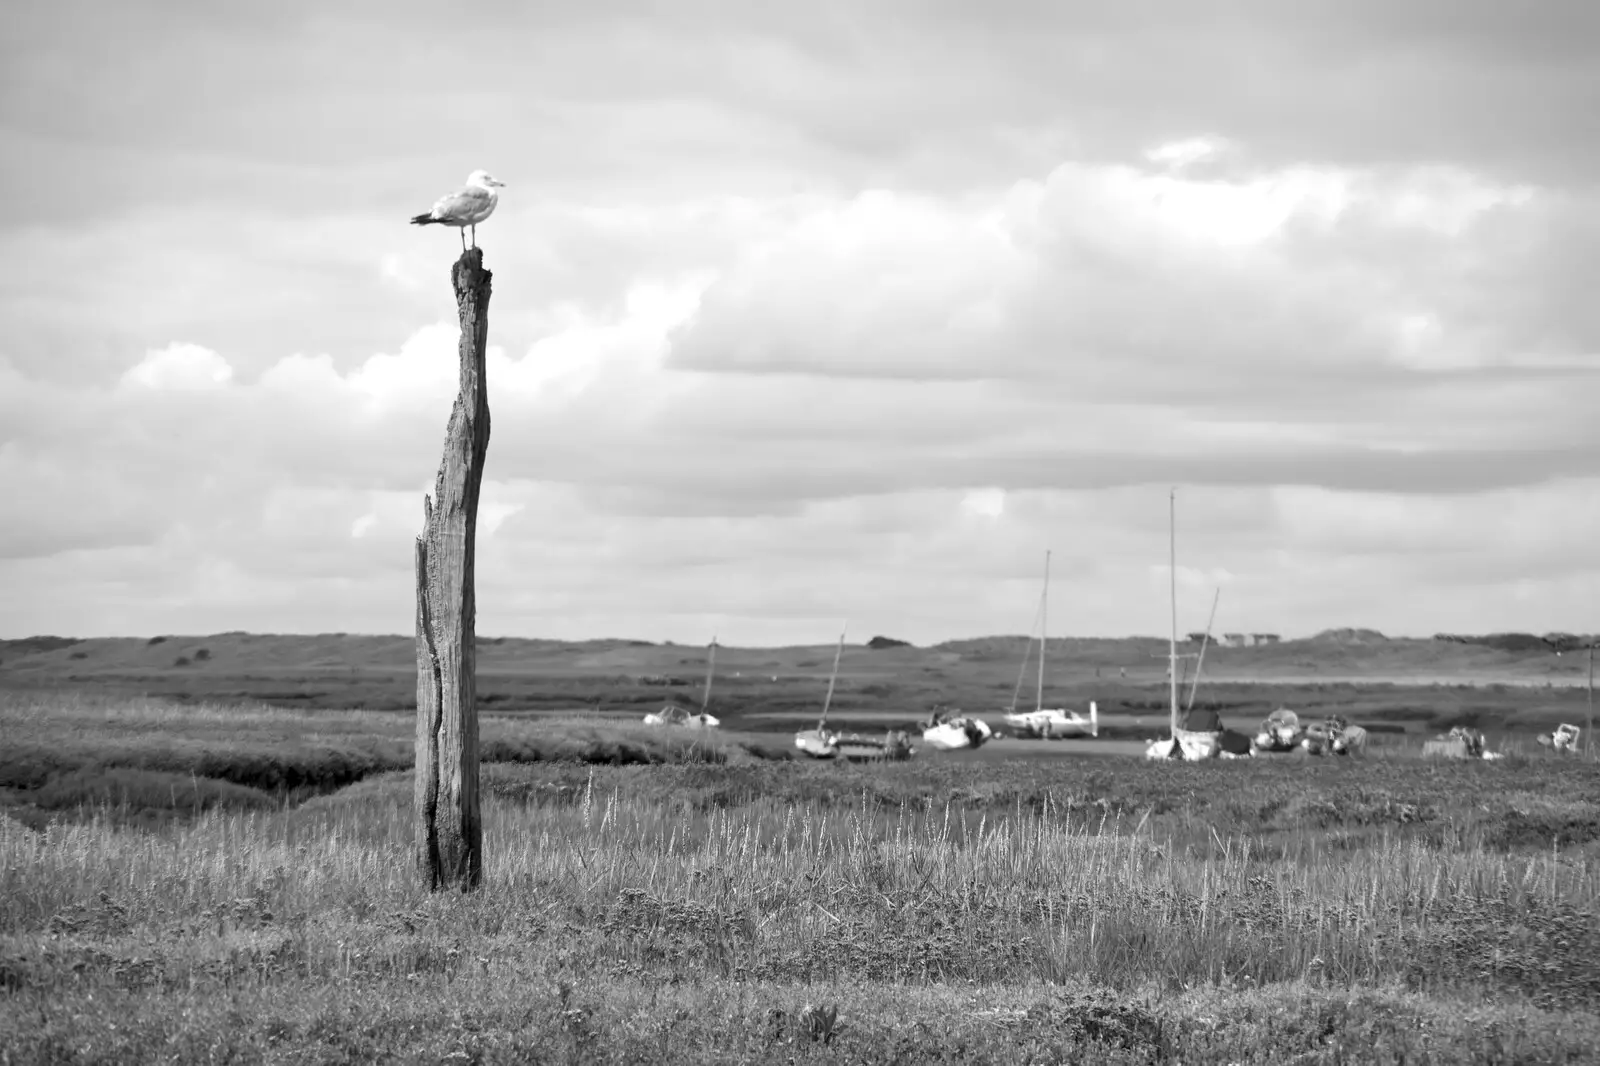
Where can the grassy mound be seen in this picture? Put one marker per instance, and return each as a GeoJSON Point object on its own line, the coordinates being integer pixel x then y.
{"type": "Point", "coordinates": [125, 796]}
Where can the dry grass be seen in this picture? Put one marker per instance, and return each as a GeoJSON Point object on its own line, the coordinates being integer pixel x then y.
{"type": "Point", "coordinates": [594, 901]}
{"type": "Point", "coordinates": [692, 912]}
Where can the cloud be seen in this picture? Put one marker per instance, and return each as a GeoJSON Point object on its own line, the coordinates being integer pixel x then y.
{"type": "Point", "coordinates": [1094, 273]}
{"type": "Point", "coordinates": [845, 313]}
{"type": "Point", "coordinates": [984, 503]}
{"type": "Point", "coordinates": [186, 367]}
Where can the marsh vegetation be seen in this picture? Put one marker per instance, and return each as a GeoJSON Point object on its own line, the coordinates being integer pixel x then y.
{"type": "Point", "coordinates": [234, 884]}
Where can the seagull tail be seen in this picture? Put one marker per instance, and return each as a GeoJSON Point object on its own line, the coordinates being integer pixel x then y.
{"type": "Point", "coordinates": [423, 220]}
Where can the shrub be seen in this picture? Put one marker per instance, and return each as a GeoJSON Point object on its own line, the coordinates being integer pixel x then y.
{"type": "Point", "coordinates": [35, 645]}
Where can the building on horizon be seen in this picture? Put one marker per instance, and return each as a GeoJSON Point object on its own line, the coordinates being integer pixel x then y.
{"type": "Point", "coordinates": [1240, 640]}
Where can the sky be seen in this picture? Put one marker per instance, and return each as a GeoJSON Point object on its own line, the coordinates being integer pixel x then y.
{"type": "Point", "coordinates": [806, 316]}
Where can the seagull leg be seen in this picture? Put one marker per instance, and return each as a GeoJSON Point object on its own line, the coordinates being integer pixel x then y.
{"type": "Point", "coordinates": [463, 234]}
{"type": "Point", "coordinates": [474, 234]}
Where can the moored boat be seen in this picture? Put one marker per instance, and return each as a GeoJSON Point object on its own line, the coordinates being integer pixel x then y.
{"type": "Point", "coordinates": [1047, 723]}
{"type": "Point", "coordinates": [951, 730]}
{"type": "Point", "coordinates": [823, 743]}
{"type": "Point", "coordinates": [673, 714]}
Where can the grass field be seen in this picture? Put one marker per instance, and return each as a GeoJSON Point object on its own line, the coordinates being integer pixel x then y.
{"type": "Point", "coordinates": [212, 882]}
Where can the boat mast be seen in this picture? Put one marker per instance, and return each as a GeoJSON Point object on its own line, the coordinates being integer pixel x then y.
{"type": "Point", "coordinates": [833, 677]}
{"type": "Point", "coordinates": [1027, 653]}
{"type": "Point", "coordinates": [1200, 661]}
{"type": "Point", "coordinates": [1044, 626]}
{"type": "Point", "coordinates": [1172, 572]}
{"type": "Point", "coordinates": [711, 667]}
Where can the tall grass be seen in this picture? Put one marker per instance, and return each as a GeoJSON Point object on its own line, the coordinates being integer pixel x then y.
{"type": "Point", "coordinates": [589, 898]}
{"type": "Point", "coordinates": [814, 892]}
{"type": "Point", "coordinates": [944, 911]}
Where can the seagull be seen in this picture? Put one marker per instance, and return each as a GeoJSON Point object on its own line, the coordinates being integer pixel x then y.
{"type": "Point", "coordinates": [467, 206]}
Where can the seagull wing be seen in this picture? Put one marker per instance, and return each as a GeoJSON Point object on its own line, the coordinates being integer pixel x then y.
{"type": "Point", "coordinates": [470, 204]}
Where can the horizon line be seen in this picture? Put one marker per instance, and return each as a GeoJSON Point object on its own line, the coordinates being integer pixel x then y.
{"type": "Point", "coordinates": [1186, 638]}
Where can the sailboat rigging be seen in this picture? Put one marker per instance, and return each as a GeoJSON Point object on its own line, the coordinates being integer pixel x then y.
{"type": "Point", "coordinates": [1055, 722]}
{"type": "Point", "coordinates": [1200, 660]}
{"type": "Point", "coordinates": [711, 670]}
{"type": "Point", "coordinates": [1185, 742]}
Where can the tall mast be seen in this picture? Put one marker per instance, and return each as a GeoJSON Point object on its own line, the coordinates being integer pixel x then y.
{"type": "Point", "coordinates": [1172, 572]}
{"type": "Point", "coordinates": [1044, 627]}
{"type": "Point", "coordinates": [711, 667]}
{"type": "Point", "coordinates": [1022, 667]}
{"type": "Point", "coordinates": [1200, 661]}
{"type": "Point", "coordinates": [833, 677]}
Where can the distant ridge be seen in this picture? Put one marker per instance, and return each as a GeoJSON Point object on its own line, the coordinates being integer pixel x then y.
{"type": "Point", "coordinates": [998, 643]}
{"type": "Point", "coordinates": [1521, 642]}
{"type": "Point", "coordinates": [379, 672]}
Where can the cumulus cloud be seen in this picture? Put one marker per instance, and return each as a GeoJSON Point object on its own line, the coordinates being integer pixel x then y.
{"type": "Point", "coordinates": [180, 367]}
{"type": "Point", "coordinates": [798, 319]}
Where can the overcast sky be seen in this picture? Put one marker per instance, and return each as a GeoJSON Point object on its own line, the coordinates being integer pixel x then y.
{"type": "Point", "coordinates": [806, 313]}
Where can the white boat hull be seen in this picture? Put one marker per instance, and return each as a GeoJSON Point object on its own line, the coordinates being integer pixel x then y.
{"type": "Point", "coordinates": [817, 743]}
{"type": "Point", "coordinates": [955, 735]}
{"type": "Point", "coordinates": [1195, 745]}
{"type": "Point", "coordinates": [691, 721]}
{"type": "Point", "coordinates": [1053, 723]}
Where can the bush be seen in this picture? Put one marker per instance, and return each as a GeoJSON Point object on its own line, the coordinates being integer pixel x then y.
{"type": "Point", "coordinates": [35, 645]}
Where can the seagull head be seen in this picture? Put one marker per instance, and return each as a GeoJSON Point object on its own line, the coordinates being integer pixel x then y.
{"type": "Point", "coordinates": [483, 178]}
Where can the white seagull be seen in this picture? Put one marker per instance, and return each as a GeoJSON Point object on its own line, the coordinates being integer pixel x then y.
{"type": "Point", "coordinates": [467, 206]}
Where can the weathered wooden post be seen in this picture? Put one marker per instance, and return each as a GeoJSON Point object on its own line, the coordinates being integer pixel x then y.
{"type": "Point", "coordinates": [449, 831]}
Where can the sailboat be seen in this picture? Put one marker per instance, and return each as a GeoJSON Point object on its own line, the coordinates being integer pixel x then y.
{"type": "Point", "coordinates": [678, 715]}
{"type": "Point", "coordinates": [821, 743]}
{"type": "Point", "coordinates": [1199, 736]}
{"type": "Point", "coordinates": [950, 730]}
{"type": "Point", "coordinates": [1046, 723]}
